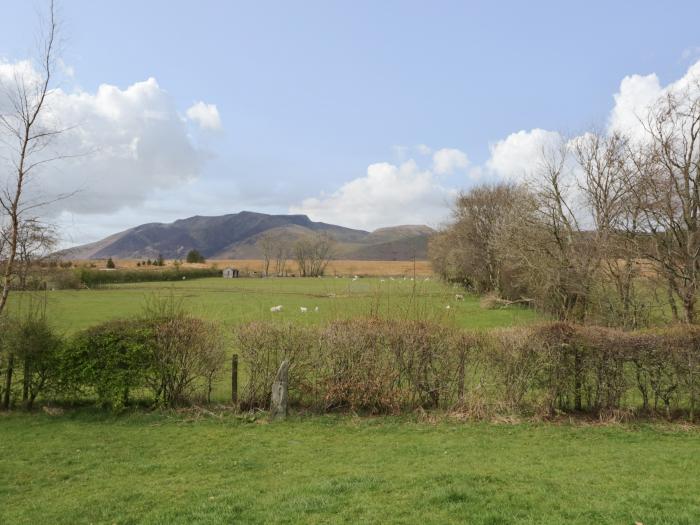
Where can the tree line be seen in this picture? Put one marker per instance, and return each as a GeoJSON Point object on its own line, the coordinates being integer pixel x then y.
{"type": "Point", "coordinates": [311, 253]}
{"type": "Point", "coordinates": [605, 228]}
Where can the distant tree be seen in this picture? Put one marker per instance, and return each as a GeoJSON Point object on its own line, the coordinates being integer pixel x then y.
{"type": "Point", "coordinates": [110, 263]}
{"type": "Point", "coordinates": [138, 263]}
{"type": "Point", "coordinates": [267, 244]}
{"type": "Point", "coordinates": [281, 255]}
{"type": "Point", "coordinates": [313, 253]}
{"type": "Point", "coordinates": [193, 256]}
{"type": "Point", "coordinates": [148, 262]}
{"type": "Point", "coordinates": [160, 261]}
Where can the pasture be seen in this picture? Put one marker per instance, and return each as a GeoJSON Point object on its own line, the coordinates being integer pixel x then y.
{"type": "Point", "coordinates": [232, 301]}
{"type": "Point", "coordinates": [88, 467]}
{"type": "Point", "coordinates": [214, 466]}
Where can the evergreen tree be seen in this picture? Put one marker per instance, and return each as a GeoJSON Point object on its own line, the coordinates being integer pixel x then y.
{"type": "Point", "coordinates": [193, 256]}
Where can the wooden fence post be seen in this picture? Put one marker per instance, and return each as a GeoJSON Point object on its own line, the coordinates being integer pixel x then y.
{"type": "Point", "coordinates": [234, 379]}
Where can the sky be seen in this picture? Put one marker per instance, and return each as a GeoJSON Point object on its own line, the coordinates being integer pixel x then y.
{"type": "Point", "coordinates": [363, 113]}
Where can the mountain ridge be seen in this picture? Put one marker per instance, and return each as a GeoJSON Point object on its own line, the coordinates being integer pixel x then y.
{"type": "Point", "coordinates": [238, 236]}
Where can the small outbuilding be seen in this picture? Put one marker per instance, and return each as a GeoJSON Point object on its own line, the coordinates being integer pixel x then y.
{"type": "Point", "coordinates": [230, 273]}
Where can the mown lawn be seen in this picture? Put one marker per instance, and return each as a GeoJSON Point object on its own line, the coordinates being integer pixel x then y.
{"type": "Point", "coordinates": [233, 301]}
{"type": "Point", "coordinates": [86, 467]}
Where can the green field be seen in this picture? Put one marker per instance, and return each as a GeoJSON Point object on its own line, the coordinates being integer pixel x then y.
{"type": "Point", "coordinates": [236, 300]}
{"type": "Point", "coordinates": [90, 466]}
{"type": "Point", "coordinates": [160, 468]}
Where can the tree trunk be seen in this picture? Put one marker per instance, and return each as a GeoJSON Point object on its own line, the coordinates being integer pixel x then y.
{"type": "Point", "coordinates": [8, 382]}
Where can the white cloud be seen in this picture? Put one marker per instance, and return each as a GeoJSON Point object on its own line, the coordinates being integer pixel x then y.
{"type": "Point", "coordinates": [690, 52]}
{"type": "Point", "coordinates": [517, 156]}
{"type": "Point", "coordinates": [127, 142]}
{"type": "Point", "coordinates": [388, 195]}
{"type": "Point", "coordinates": [422, 149]}
{"type": "Point", "coordinates": [638, 93]}
{"type": "Point", "coordinates": [447, 160]}
{"type": "Point", "coordinates": [206, 115]}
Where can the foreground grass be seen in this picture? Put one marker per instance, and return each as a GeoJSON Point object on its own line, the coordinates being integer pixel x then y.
{"type": "Point", "coordinates": [234, 301]}
{"type": "Point", "coordinates": [93, 468]}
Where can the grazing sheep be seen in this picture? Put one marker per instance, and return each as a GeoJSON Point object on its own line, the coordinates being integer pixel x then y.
{"type": "Point", "coordinates": [381, 280]}
{"type": "Point", "coordinates": [459, 297]}
{"type": "Point", "coordinates": [277, 308]}
{"type": "Point", "coordinates": [316, 309]}
{"type": "Point", "coordinates": [303, 309]}
{"type": "Point", "coordinates": [447, 307]}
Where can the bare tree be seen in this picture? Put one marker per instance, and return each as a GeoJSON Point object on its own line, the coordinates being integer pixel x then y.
{"type": "Point", "coordinates": [313, 253]}
{"type": "Point", "coordinates": [35, 242]}
{"type": "Point", "coordinates": [267, 244]}
{"type": "Point", "coordinates": [669, 184]}
{"type": "Point", "coordinates": [545, 243]}
{"type": "Point", "coordinates": [281, 253]}
{"type": "Point", "coordinates": [465, 251]}
{"type": "Point", "coordinates": [26, 134]}
{"type": "Point", "coordinates": [612, 205]}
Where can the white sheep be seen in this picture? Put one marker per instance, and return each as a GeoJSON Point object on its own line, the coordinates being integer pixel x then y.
{"type": "Point", "coordinates": [459, 297]}
{"type": "Point", "coordinates": [316, 309]}
{"type": "Point", "coordinates": [447, 307]}
{"type": "Point", "coordinates": [277, 308]}
{"type": "Point", "coordinates": [303, 309]}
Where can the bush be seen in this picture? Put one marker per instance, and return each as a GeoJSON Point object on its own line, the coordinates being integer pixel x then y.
{"type": "Point", "coordinates": [29, 352]}
{"type": "Point", "coordinates": [112, 359]}
{"type": "Point", "coordinates": [263, 347]}
{"type": "Point", "coordinates": [188, 353]}
{"type": "Point", "coordinates": [383, 366]}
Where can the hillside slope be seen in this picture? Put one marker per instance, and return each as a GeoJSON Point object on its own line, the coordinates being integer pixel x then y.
{"type": "Point", "coordinates": [239, 236]}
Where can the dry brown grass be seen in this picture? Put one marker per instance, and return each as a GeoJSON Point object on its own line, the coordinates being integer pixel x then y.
{"type": "Point", "coordinates": [340, 267]}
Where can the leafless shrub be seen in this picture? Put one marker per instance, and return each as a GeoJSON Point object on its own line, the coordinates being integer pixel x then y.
{"type": "Point", "coordinates": [388, 366]}
{"type": "Point", "coordinates": [188, 353]}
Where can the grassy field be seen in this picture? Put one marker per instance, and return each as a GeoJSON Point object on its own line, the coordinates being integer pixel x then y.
{"type": "Point", "coordinates": [236, 300]}
{"type": "Point", "coordinates": [155, 468]}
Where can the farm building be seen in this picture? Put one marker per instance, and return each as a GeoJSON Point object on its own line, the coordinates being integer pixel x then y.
{"type": "Point", "coordinates": [230, 273]}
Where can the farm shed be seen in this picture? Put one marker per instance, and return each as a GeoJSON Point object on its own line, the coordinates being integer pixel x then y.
{"type": "Point", "coordinates": [230, 273]}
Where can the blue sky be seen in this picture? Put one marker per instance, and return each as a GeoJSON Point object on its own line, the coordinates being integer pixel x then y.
{"type": "Point", "coordinates": [311, 94]}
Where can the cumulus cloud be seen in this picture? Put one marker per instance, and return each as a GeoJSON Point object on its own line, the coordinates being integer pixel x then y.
{"type": "Point", "coordinates": [447, 160]}
{"type": "Point", "coordinates": [638, 93]}
{"type": "Point", "coordinates": [387, 195]}
{"type": "Point", "coordinates": [518, 155]}
{"type": "Point", "coordinates": [124, 143]}
{"type": "Point", "coordinates": [206, 115]}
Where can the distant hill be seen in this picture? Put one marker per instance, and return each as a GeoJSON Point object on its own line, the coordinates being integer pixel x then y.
{"type": "Point", "coordinates": [238, 236]}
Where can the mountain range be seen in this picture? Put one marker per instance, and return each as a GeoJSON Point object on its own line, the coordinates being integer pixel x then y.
{"type": "Point", "coordinates": [239, 236]}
